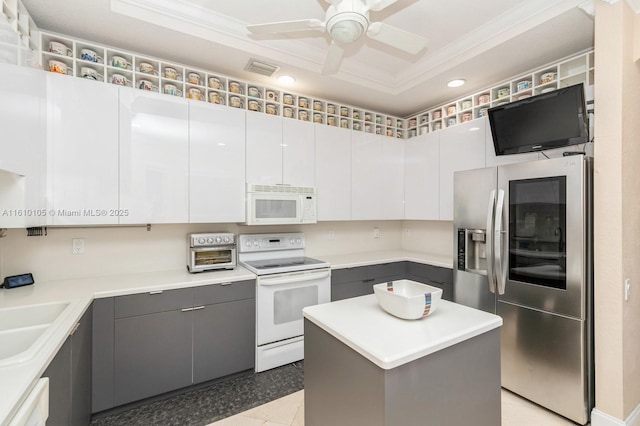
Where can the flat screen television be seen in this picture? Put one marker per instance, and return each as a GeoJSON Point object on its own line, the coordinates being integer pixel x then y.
{"type": "Point", "coordinates": [549, 120]}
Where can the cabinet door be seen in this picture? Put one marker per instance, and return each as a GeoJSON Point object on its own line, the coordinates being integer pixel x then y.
{"type": "Point", "coordinates": [223, 339]}
{"type": "Point", "coordinates": [216, 159]}
{"type": "Point", "coordinates": [298, 153]}
{"type": "Point", "coordinates": [154, 157]}
{"type": "Point", "coordinates": [81, 358]}
{"type": "Point", "coordinates": [102, 355]}
{"type": "Point", "coordinates": [333, 172]}
{"type": "Point", "coordinates": [264, 148]}
{"type": "Point", "coordinates": [152, 355]}
{"type": "Point", "coordinates": [392, 187]}
{"type": "Point", "coordinates": [82, 127]}
{"type": "Point", "coordinates": [422, 177]}
{"type": "Point", "coordinates": [22, 145]}
{"type": "Point", "coordinates": [366, 176]}
{"type": "Point", "coordinates": [462, 147]}
{"type": "Point", "coordinates": [59, 374]}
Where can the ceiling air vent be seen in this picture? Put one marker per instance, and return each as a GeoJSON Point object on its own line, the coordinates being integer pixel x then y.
{"type": "Point", "coordinates": [261, 68]}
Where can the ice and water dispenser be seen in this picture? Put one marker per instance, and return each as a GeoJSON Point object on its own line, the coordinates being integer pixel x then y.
{"type": "Point", "coordinates": [472, 250]}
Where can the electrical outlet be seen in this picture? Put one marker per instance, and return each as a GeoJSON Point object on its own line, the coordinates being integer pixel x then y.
{"type": "Point", "coordinates": [376, 232]}
{"type": "Point", "coordinates": [332, 235]}
{"type": "Point", "coordinates": [627, 289]}
{"type": "Point", "coordinates": [77, 246]}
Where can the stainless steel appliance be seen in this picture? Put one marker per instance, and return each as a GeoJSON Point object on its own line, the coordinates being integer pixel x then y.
{"type": "Point", "coordinates": [280, 204]}
{"type": "Point", "coordinates": [211, 251]}
{"type": "Point", "coordinates": [287, 282]}
{"type": "Point", "coordinates": [523, 250]}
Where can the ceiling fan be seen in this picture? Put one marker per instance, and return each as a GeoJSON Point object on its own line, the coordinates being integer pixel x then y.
{"type": "Point", "coordinates": [346, 21]}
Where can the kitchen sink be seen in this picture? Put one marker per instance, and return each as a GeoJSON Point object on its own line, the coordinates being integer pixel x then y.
{"type": "Point", "coordinates": [27, 316]}
{"type": "Point", "coordinates": [24, 329]}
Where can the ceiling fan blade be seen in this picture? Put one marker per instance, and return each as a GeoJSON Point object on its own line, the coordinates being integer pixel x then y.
{"type": "Point", "coordinates": [377, 5]}
{"type": "Point", "coordinates": [334, 58]}
{"type": "Point", "coordinates": [287, 26]}
{"type": "Point", "coordinates": [395, 37]}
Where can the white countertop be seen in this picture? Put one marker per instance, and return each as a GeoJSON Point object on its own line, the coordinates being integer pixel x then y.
{"type": "Point", "coordinates": [390, 342]}
{"type": "Point", "coordinates": [17, 381]}
{"type": "Point", "coordinates": [372, 258]}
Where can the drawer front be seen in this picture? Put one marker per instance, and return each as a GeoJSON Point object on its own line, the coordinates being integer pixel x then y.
{"type": "Point", "coordinates": [153, 302]}
{"type": "Point", "coordinates": [225, 292]}
{"type": "Point", "coordinates": [433, 273]}
{"type": "Point", "coordinates": [395, 269]}
{"type": "Point", "coordinates": [347, 275]}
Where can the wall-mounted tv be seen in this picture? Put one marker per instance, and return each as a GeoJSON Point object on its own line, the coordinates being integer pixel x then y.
{"type": "Point", "coordinates": [549, 120]}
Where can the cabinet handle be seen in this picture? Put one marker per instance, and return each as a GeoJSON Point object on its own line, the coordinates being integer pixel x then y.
{"type": "Point", "coordinates": [75, 328]}
{"type": "Point", "coordinates": [229, 283]}
{"type": "Point", "coordinates": [197, 308]}
{"type": "Point", "coordinates": [369, 280]}
{"type": "Point", "coordinates": [156, 292]}
{"type": "Point", "coordinates": [187, 309]}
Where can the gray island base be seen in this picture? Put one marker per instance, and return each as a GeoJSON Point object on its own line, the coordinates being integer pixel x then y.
{"type": "Point", "coordinates": [454, 385]}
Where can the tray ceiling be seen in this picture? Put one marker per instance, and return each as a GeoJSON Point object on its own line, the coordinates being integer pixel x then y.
{"type": "Point", "coordinates": [482, 42]}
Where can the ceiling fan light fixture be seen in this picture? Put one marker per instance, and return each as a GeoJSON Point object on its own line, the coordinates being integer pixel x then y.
{"type": "Point", "coordinates": [347, 27]}
{"type": "Point", "coordinates": [457, 82]}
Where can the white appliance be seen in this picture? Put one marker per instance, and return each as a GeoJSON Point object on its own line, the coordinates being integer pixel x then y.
{"type": "Point", "coordinates": [280, 205]}
{"type": "Point", "coordinates": [287, 282]}
{"type": "Point", "coordinates": [34, 411]}
{"type": "Point", "coordinates": [211, 251]}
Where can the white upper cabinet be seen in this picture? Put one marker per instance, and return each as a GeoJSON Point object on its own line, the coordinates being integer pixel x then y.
{"type": "Point", "coordinates": [264, 148]}
{"type": "Point", "coordinates": [216, 158]}
{"type": "Point", "coordinates": [462, 147]}
{"type": "Point", "coordinates": [298, 153]}
{"type": "Point", "coordinates": [22, 145]}
{"type": "Point", "coordinates": [422, 177]}
{"type": "Point", "coordinates": [491, 159]}
{"type": "Point", "coordinates": [392, 179]}
{"type": "Point", "coordinates": [366, 176]}
{"type": "Point", "coordinates": [82, 127]}
{"type": "Point", "coordinates": [154, 157]}
{"type": "Point", "coordinates": [279, 150]}
{"type": "Point", "coordinates": [333, 172]}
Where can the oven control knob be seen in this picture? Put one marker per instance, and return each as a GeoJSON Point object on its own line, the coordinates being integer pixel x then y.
{"type": "Point", "coordinates": [291, 241]}
{"type": "Point", "coordinates": [299, 241]}
{"type": "Point", "coordinates": [227, 239]}
{"type": "Point", "coordinates": [256, 243]}
{"type": "Point", "coordinates": [248, 243]}
{"type": "Point", "coordinates": [201, 240]}
{"type": "Point", "coordinates": [218, 240]}
{"type": "Point", "coordinates": [210, 240]}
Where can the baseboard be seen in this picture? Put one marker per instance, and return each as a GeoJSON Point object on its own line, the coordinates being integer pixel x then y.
{"type": "Point", "coordinates": [598, 418]}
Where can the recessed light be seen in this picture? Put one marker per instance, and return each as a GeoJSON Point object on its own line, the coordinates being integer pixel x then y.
{"type": "Point", "coordinates": [456, 83]}
{"type": "Point", "coordinates": [286, 79]}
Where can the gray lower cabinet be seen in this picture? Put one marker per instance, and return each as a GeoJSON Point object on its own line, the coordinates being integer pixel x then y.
{"type": "Point", "coordinates": [152, 355]}
{"type": "Point", "coordinates": [359, 281]}
{"type": "Point", "coordinates": [432, 275]}
{"type": "Point", "coordinates": [69, 376]}
{"type": "Point", "coordinates": [153, 343]}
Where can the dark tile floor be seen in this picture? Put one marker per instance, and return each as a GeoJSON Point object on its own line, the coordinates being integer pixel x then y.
{"type": "Point", "coordinates": [211, 403]}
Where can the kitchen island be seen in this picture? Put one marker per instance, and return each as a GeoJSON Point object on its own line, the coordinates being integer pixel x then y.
{"type": "Point", "coordinates": [364, 366]}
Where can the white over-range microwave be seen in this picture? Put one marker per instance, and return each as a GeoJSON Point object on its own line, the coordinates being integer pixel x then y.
{"type": "Point", "coordinates": [280, 204]}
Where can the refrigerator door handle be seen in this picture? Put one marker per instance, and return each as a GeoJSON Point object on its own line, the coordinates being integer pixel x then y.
{"type": "Point", "coordinates": [500, 272]}
{"type": "Point", "coordinates": [489, 243]}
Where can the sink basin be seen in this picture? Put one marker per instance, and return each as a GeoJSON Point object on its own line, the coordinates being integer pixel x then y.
{"type": "Point", "coordinates": [24, 329]}
{"type": "Point", "coordinates": [27, 316]}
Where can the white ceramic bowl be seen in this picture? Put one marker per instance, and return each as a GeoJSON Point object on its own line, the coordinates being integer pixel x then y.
{"type": "Point", "coordinates": [408, 299]}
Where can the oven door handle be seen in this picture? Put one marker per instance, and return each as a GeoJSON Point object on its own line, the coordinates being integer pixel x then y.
{"type": "Point", "coordinates": [213, 248]}
{"type": "Point", "coordinates": [294, 278]}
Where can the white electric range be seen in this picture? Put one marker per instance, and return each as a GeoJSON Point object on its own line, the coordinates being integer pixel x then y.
{"type": "Point", "coordinates": [287, 282]}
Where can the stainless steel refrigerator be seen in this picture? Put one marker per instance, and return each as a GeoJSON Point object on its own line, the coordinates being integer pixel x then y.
{"type": "Point", "coordinates": [523, 250]}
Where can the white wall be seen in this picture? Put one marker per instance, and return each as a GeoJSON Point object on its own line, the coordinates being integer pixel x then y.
{"type": "Point", "coordinates": [113, 250]}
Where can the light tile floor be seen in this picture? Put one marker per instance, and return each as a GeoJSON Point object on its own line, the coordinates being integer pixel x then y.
{"type": "Point", "coordinates": [289, 411]}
